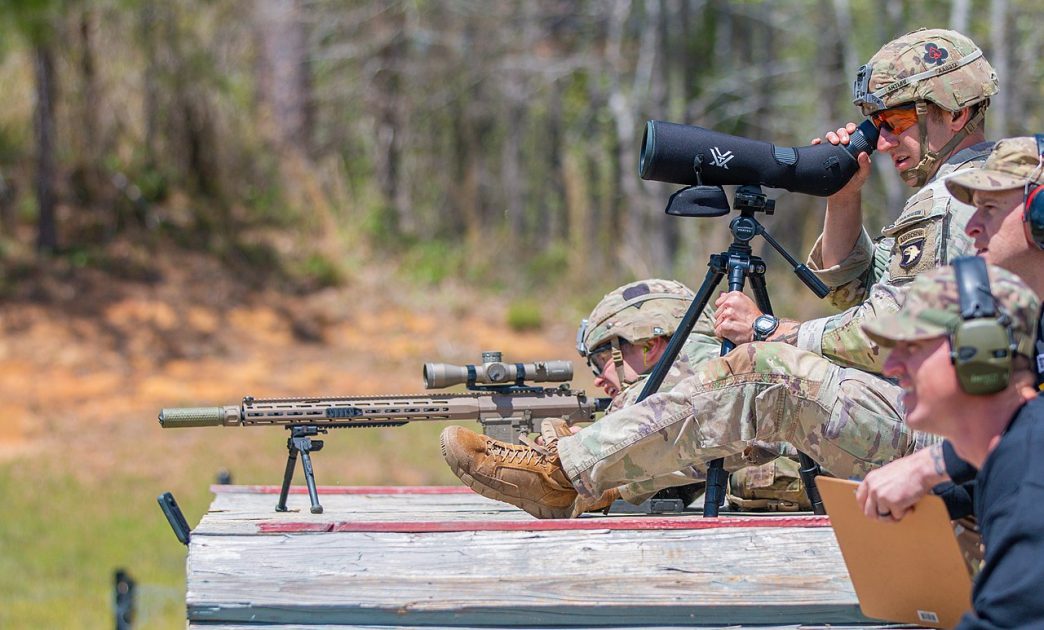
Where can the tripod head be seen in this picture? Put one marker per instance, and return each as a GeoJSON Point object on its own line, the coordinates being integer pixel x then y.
{"type": "Point", "coordinates": [711, 201]}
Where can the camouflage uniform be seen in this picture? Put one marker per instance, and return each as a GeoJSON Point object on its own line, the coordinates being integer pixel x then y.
{"type": "Point", "coordinates": [644, 309]}
{"type": "Point", "coordinates": [932, 309]}
{"type": "Point", "coordinates": [819, 395]}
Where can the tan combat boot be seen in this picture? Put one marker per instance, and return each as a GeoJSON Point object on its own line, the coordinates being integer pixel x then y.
{"type": "Point", "coordinates": [601, 504]}
{"type": "Point", "coordinates": [529, 477]}
{"type": "Point", "coordinates": [550, 430]}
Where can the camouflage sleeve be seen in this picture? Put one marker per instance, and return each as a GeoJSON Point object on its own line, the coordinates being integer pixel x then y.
{"type": "Point", "coordinates": [851, 279]}
{"type": "Point", "coordinates": [928, 233]}
{"type": "Point", "coordinates": [841, 339]}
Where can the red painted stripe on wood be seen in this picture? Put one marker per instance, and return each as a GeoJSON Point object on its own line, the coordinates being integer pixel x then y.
{"type": "Point", "coordinates": [296, 528]}
{"type": "Point", "coordinates": [611, 523]}
{"type": "Point", "coordinates": [222, 489]}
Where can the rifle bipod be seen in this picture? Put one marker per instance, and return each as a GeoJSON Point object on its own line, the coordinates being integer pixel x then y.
{"type": "Point", "coordinates": [300, 441]}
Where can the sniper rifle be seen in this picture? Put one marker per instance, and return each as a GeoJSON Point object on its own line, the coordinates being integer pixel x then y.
{"type": "Point", "coordinates": [499, 398]}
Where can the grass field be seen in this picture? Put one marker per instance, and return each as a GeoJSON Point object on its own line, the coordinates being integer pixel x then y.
{"type": "Point", "coordinates": [63, 536]}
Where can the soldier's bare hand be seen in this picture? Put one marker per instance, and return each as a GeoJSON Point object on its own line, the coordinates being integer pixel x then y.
{"type": "Point", "coordinates": [889, 492]}
{"type": "Point", "coordinates": [843, 135]}
{"type": "Point", "coordinates": [734, 317]}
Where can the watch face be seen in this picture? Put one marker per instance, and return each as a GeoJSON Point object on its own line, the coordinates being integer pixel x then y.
{"type": "Point", "coordinates": [765, 325]}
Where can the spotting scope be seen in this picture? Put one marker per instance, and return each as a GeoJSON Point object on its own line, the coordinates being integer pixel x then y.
{"type": "Point", "coordinates": [695, 156]}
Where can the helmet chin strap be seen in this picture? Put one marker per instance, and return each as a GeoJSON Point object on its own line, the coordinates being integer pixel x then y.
{"type": "Point", "coordinates": [920, 174]}
{"type": "Point", "coordinates": [618, 362]}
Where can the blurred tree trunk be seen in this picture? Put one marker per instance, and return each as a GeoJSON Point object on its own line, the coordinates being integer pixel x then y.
{"type": "Point", "coordinates": [150, 81]}
{"type": "Point", "coordinates": [90, 169]}
{"type": "Point", "coordinates": [553, 194]}
{"type": "Point", "coordinates": [665, 228]}
{"type": "Point", "coordinates": [285, 73]}
{"type": "Point", "coordinates": [1024, 96]}
{"type": "Point", "coordinates": [959, 13]}
{"type": "Point", "coordinates": [1000, 35]}
{"type": "Point", "coordinates": [389, 103]}
{"type": "Point", "coordinates": [511, 168]}
{"type": "Point", "coordinates": [45, 132]}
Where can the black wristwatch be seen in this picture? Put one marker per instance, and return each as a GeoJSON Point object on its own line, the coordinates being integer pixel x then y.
{"type": "Point", "coordinates": [764, 326]}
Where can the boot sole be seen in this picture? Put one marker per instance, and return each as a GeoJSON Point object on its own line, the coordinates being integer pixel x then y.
{"type": "Point", "coordinates": [533, 508]}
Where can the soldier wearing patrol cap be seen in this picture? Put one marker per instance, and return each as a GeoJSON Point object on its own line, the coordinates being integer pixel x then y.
{"type": "Point", "coordinates": [816, 391]}
{"type": "Point", "coordinates": [961, 347]}
{"type": "Point", "coordinates": [1008, 230]}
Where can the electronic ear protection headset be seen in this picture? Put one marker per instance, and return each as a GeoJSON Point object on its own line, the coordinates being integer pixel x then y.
{"type": "Point", "coordinates": [982, 346]}
{"type": "Point", "coordinates": [1033, 208]}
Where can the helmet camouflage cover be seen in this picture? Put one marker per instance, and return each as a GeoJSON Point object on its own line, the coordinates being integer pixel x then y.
{"type": "Point", "coordinates": [935, 65]}
{"type": "Point", "coordinates": [635, 312]}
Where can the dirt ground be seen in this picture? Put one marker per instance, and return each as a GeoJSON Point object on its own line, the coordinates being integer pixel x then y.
{"type": "Point", "coordinates": [86, 360]}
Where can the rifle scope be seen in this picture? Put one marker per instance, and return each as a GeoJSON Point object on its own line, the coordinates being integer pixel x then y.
{"type": "Point", "coordinates": [493, 371]}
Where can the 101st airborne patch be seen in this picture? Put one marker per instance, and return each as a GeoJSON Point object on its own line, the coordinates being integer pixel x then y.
{"type": "Point", "coordinates": [910, 247]}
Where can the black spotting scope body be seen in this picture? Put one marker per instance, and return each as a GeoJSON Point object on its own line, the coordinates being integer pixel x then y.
{"type": "Point", "coordinates": [689, 155]}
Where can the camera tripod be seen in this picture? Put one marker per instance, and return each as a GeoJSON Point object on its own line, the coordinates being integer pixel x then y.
{"type": "Point", "coordinates": [738, 264]}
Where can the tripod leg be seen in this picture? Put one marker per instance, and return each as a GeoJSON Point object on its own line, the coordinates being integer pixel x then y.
{"type": "Point", "coordinates": [757, 284]}
{"type": "Point", "coordinates": [288, 475]}
{"type": "Point", "coordinates": [808, 472]}
{"type": "Point", "coordinates": [809, 468]}
{"type": "Point", "coordinates": [715, 496]}
{"type": "Point", "coordinates": [715, 272]}
{"type": "Point", "coordinates": [681, 335]}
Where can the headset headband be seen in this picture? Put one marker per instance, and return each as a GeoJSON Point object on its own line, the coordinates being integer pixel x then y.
{"type": "Point", "coordinates": [973, 288]}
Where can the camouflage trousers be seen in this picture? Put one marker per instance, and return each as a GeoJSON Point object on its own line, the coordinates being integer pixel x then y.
{"type": "Point", "coordinates": [847, 420]}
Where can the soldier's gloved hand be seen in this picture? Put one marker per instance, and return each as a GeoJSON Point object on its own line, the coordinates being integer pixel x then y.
{"type": "Point", "coordinates": [734, 317]}
{"type": "Point", "coordinates": [889, 492]}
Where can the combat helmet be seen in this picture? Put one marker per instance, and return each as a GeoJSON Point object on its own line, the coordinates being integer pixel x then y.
{"type": "Point", "coordinates": [634, 312]}
{"type": "Point", "coordinates": [927, 66]}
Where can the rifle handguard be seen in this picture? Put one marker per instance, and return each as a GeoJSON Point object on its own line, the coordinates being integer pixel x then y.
{"type": "Point", "coordinates": [180, 417]}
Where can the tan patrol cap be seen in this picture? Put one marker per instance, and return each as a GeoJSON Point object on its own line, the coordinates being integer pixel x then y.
{"type": "Point", "coordinates": [931, 308]}
{"type": "Point", "coordinates": [1013, 163]}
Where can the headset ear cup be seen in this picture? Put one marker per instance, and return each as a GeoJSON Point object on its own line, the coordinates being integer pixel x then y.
{"type": "Point", "coordinates": [981, 353]}
{"type": "Point", "coordinates": [1033, 215]}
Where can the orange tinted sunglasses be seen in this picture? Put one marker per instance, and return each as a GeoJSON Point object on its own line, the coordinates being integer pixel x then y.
{"type": "Point", "coordinates": [895, 120]}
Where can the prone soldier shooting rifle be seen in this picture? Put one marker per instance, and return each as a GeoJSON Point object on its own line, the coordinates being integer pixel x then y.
{"type": "Point", "coordinates": [499, 398]}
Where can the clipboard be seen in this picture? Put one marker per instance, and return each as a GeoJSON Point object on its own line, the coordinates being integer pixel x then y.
{"type": "Point", "coordinates": [912, 571]}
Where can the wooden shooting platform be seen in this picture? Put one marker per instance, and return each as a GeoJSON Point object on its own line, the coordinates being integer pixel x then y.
{"type": "Point", "coordinates": [445, 556]}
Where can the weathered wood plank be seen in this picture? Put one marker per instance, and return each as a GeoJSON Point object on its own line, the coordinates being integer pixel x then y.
{"type": "Point", "coordinates": [513, 573]}
{"type": "Point", "coordinates": [237, 512]}
{"type": "Point", "coordinates": [559, 578]}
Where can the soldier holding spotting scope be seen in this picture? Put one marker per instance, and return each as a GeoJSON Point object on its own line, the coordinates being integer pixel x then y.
{"type": "Point", "coordinates": [819, 390]}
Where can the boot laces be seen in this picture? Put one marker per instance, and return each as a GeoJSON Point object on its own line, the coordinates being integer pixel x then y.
{"type": "Point", "coordinates": [528, 455]}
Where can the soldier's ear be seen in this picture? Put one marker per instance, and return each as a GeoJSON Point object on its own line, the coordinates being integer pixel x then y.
{"type": "Point", "coordinates": [960, 118]}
